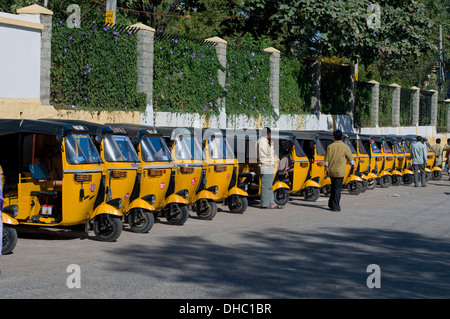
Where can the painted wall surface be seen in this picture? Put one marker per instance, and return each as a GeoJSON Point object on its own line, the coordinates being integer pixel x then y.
{"type": "Point", "coordinates": [20, 49]}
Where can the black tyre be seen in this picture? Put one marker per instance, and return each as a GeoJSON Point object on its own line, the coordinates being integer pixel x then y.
{"type": "Point", "coordinates": [281, 196]}
{"type": "Point", "coordinates": [396, 180]}
{"type": "Point", "coordinates": [9, 239]}
{"type": "Point", "coordinates": [206, 209]}
{"type": "Point", "coordinates": [140, 220]}
{"type": "Point", "coordinates": [354, 187]}
{"type": "Point", "coordinates": [326, 190]}
{"type": "Point", "coordinates": [107, 227]}
{"type": "Point", "coordinates": [364, 185]}
{"type": "Point", "coordinates": [408, 179]}
{"type": "Point", "coordinates": [385, 181]}
{"type": "Point", "coordinates": [436, 175]}
{"type": "Point", "coordinates": [237, 204]}
{"type": "Point", "coordinates": [176, 214]}
{"type": "Point", "coordinates": [311, 194]}
{"type": "Point", "coordinates": [372, 182]}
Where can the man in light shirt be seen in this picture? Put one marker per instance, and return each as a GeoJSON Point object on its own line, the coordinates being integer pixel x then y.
{"type": "Point", "coordinates": [419, 159]}
{"type": "Point", "coordinates": [266, 163]}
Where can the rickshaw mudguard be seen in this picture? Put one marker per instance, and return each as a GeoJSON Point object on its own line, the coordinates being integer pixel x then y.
{"type": "Point", "coordinates": [395, 172]}
{"type": "Point", "coordinates": [370, 175]}
{"type": "Point", "coordinates": [311, 183]}
{"type": "Point", "coordinates": [104, 208]}
{"type": "Point", "coordinates": [140, 203]}
{"type": "Point", "coordinates": [204, 194]}
{"type": "Point", "coordinates": [325, 182]}
{"type": "Point", "coordinates": [436, 168]}
{"type": "Point", "coordinates": [353, 178]}
{"type": "Point", "coordinates": [427, 170]}
{"type": "Point", "coordinates": [278, 185]}
{"type": "Point", "coordinates": [384, 173]}
{"type": "Point", "coordinates": [175, 198]}
{"type": "Point", "coordinates": [8, 220]}
{"type": "Point", "coordinates": [236, 191]}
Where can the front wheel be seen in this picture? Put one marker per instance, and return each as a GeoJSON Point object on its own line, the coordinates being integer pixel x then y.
{"type": "Point", "coordinates": [396, 180]}
{"type": "Point", "coordinates": [206, 209]}
{"type": "Point", "coordinates": [176, 214]}
{"type": "Point", "coordinates": [9, 239]}
{"type": "Point", "coordinates": [326, 190]}
{"type": "Point", "coordinates": [107, 227]}
{"type": "Point", "coordinates": [140, 220]}
{"type": "Point", "coordinates": [312, 194]}
{"type": "Point", "coordinates": [237, 204]}
{"type": "Point", "coordinates": [354, 187]}
{"type": "Point", "coordinates": [436, 175]}
{"type": "Point", "coordinates": [281, 196]}
{"type": "Point", "coordinates": [372, 182]}
{"type": "Point", "coordinates": [385, 181]}
{"type": "Point", "coordinates": [407, 179]}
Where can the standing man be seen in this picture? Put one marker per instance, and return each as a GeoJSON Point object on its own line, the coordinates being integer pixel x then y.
{"type": "Point", "coordinates": [338, 153]}
{"type": "Point", "coordinates": [266, 162]}
{"type": "Point", "coordinates": [419, 158]}
{"type": "Point", "coordinates": [446, 149]}
{"type": "Point", "coordinates": [437, 149]}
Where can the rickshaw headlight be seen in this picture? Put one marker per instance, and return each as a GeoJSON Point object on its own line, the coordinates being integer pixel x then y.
{"type": "Point", "coordinates": [213, 189]}
{"type": "Point", "coordinates": [118, 174]}
{"type": "Point", "coordinates": [183, 193]}
{"type": "Point", "coordinates": [186, 170]}
{"type": "Point", "coordinates": [220, 168]}
{"type": "Point", "coordinates": [155, 172]}
{"type": "Point", "coordinates": [82, 177]}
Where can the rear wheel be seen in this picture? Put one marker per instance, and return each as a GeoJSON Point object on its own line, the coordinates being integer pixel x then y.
{"type": "Point", "coordinates": [140, 220]}
{"type": "Point", "coordinates": [206, 209]}
{"type": "Point", "coordinates": [9, 239]}
{"type": "Point", "coordinates": [107, 227]}
{"type": "Point", "coordinates": [237, 204]}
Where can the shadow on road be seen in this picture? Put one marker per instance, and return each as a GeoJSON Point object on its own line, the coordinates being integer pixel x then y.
{"type": "Point", "coordinates": [330, 263]}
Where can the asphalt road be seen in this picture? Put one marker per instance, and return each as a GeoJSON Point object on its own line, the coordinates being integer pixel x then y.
{"type": "Point", "coordinates": [396, 240]}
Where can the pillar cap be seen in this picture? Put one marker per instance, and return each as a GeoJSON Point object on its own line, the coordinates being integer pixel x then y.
{"type": "Point", "coordinates": [447, 100]}
{"type": "Point", "coordinates": [374, 82]}
{"type": "Point", "coordinates": [34, 9]}
{"type": "Point", "coordinates": [142, 27]}
{"type": "Point", "coordinates": [216, 40]}
{"type": "Point", "coordinates": [434, 91]}
{"type": "Point", "coordinates": [415, 88]}
{"type": "Point", "coordinates": [395, 85]}
{"type": "Point", "coordinates": [271, 50]}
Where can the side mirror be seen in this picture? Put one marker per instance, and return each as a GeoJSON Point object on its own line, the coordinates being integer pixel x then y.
{"type": "Point", "coordinates": [59, 138]}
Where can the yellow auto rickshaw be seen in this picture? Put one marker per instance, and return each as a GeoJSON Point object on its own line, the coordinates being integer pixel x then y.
{"type": "Point", "coordinates": [223, 170]}
{"type": "Point", "coordinates": [159, 173]}
{"type": "Point", "coordinates": [313, 148]}
{"type": "Point", "coordinates": [408, 174]}
{"type": "Point", "coordinates": [378, 164]}
{"type": "Point", "coordinates": [9, 233]}
{"type": "Point", "coordinates": [434, 172]}
{"type": "Point", "coordinates": [298, 175]}
{"type": "Point", "coordinates": [244, 145]}
{"type": "Point", "coordinates": [124, 172]}
{"type": "Point", "coordinates": [54, 177]}
{"type": "Point", "coordinates": [363, 167]}
{"type": "Point", "coordinates": [191, 176]}
{"type": "Point", "coordinates": [399, 170]}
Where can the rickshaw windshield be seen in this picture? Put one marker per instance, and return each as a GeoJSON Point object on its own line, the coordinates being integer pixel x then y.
{"type": "Point", "coordinates": [386, 148]}
{"type": "Point", "coordinates": [361, 147]}
{"type": "Point", "coordinates": [397, 147]}
{"type": "Point", "coordinates": [155, 149]}
{"type": "Point", "coordinates": [429, 149]}
{"type": "Point", "coordinates": [219, 148]}
{"type": "Point", "coordinates": [320, 150]}
{"type": "Point", "coordinates": [118, 148]}
{"type": "Point", "coordinates": [406, 148]}
{"type": "Point", "coordinates": [188, 148]}
{"type": "Point", "coordinates": [81, 150]}
{"type": "Point", "coordinates": [374, 146]}
{"type": "Point", "coordinates": [347, 141]}
{"type": "Point", "coordinates": [299, 150]}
